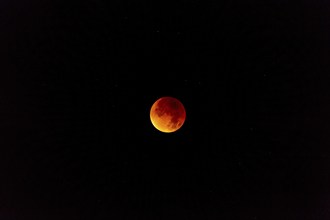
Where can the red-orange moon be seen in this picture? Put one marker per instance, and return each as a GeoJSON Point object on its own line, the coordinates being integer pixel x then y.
{"type": "Point", "coordinates": [167, 114]}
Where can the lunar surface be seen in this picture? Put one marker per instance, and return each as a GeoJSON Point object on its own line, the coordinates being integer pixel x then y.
{"type": "Point", "coordinates": [167, 114]}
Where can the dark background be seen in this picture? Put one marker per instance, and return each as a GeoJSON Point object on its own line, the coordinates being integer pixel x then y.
{"type": "Point", "coordinates": [83, 76]}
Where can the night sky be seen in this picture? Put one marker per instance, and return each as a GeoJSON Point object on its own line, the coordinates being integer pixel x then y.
{"type": "Point", "coordinates": [83, 76]}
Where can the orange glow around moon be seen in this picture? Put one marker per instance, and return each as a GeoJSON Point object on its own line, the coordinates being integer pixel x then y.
{"type": "Point", "coordinates": [167, 114]}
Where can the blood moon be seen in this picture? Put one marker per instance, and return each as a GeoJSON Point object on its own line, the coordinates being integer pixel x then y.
{"type": "Point", "coordinates": [167, 114]}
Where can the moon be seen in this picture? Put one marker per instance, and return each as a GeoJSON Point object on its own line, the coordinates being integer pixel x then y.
{"type": "Point", "coordinates": [167, 114]}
